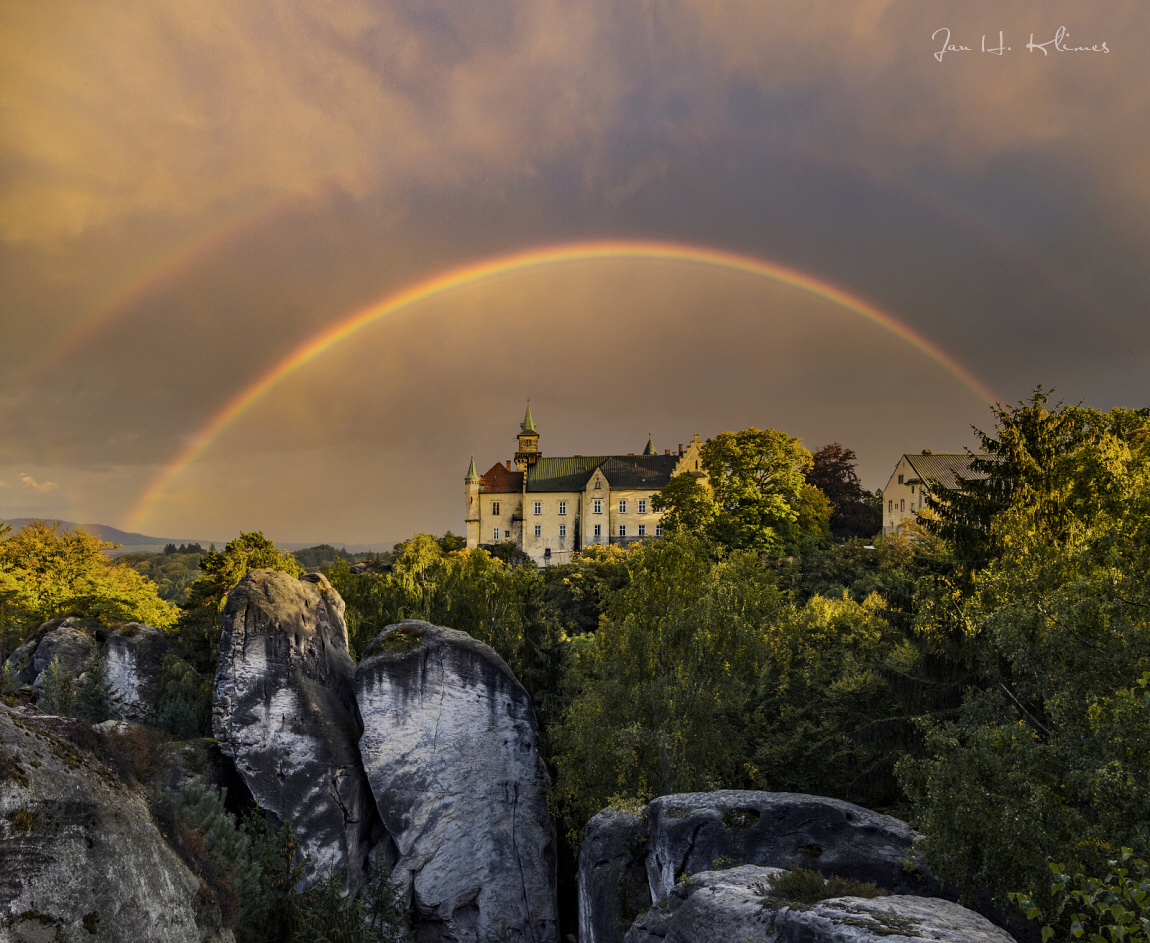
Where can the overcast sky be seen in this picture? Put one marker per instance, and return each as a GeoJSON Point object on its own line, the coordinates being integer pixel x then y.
{"type": "Point", "coordinates": [189, 192]}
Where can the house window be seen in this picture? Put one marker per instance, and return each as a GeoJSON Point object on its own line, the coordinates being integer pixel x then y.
{"type": "Point", "coordinates": [902, 505]}
{"type": "Point", "coordinates": [658, 530]}
{"type": "Point", "coordinates": [598, 530]}
{"type": "Point", "coordinates": [597, 506]}
{"type": "Point", "coordinates": [562, 508]}
{"type": "Point", "coordinates": [622, 530]}
{"type": "Point", "coordinates": [623, 506]}
{"type": "Point", "coordinates": [596, 485]}
{"type": "Point", "coordinates": [562, 531]}
{"type": "Point", "coordinates": [912, 492]}
{"type": "Point", "coordinates": [642, 505]}
{"type": "Point", "coordinates": [538, 507]}
{"type": "Point", "coordinates": [900, 479]}
{"type": "Point", "coordinates": [538, 530]}
{"type": "Point", "coordinates": [494, 507]}
{"type": "Point", "coordinates": [890, 506]}
{"type": "Point", "coordinates": [642, 530]}
{"type": "Point", "coordinates": [495, 534]}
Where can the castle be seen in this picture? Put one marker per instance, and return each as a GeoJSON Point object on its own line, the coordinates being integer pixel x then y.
{"type": "Point", "coordinates": [554, 507]}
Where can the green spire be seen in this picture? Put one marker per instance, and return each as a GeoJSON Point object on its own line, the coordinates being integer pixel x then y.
{"type": "Point", "coordinates": [528, 424]}
{"type": "Point", "coordinates": [472, 474]}
{"type": "Point", "coordinates": [650, 449]}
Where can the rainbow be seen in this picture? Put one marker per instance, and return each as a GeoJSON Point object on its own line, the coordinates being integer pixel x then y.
{"type": "Point", "coordinates": [514, 262]}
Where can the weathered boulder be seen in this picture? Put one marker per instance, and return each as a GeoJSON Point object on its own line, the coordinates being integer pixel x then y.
{"type": "Point", "coordinates": [133, 654]}
{"type": "Point", "coordinates": [693, 832]}
{"type": "Point", "coordinates": [717, 906]}
{"type": "Point", "coordinates": [80, 857]}
{"type": "Point", "coordinates": [733, 905]}
{"type": "Point", "coordinates": [450, 748]}
{"type": "Point", "coordinates": [72, 640]}
{"type": "Point", "coordinates": [613, 887]}
{"type": "Point", "coordinates": [283, 709]}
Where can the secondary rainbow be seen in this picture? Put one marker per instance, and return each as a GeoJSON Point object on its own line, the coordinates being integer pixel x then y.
{"type": "Point", "coordinates": [565, 253]}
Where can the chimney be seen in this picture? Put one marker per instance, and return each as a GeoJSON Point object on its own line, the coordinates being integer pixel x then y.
{"type": "Point", "coordinates": [509, 464]}
{"type": "Point", "coordinates": [680, 448]}
{"type": "Point", "coordinates": [666, 451]}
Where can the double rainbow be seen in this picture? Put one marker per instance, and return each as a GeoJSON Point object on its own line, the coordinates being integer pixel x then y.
{"type": "Point", "coordinates": [489, 268]}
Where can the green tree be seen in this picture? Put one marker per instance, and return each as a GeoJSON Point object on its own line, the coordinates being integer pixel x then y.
{"type": "Point", "coordinates": [660, 693]}
{"type": "Point", "coordinates": [46, 572]}
{"type": "Point", "coordinates": [1049, 757]}
{"type": "Point", "coordinates": [757, 478]}
{"type": "Point", "coordinates": [95, 699]}
{"type": "Point", "coordinates": [687, 506]}
{"type": "Point", "coordinates": [199, 624]}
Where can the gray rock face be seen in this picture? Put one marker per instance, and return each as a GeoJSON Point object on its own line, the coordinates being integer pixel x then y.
{"type": "Point", "coordinates": [72, 640]}
{"type": "Point", "coordinates": [731, 905]}
{"type": "Point", "coordinates": [283, 709]}
{"type": "Point", "coordinates": [717, 906]}
{"type": "Point", "coordinates": [79, 856]}
{"type": "Point", "coordinates": [133, 655]}
{"type": "Point", "coordinates": [613, 888]}
{"type": "Point", "coordinates": [693, 832]}
{"type": "Point", "coordinates": [450, 748]}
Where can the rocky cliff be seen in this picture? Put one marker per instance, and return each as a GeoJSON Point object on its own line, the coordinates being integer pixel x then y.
{"type": "Point", "coordinates": [284, 711]}
{"type": "Point", "coordinates": [450, 746]}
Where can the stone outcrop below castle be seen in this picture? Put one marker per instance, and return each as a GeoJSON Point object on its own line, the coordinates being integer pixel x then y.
{"type": "Point", "coordinates": [450, 745]}
{"type": "Point", "coordinates": [689, 833]}
{"type": "Point", "coordinates": [80, 858]}
{"type": "Point", "coordinates": [732, 905]}
{"type": "Point", "coordinates": [284, 711]}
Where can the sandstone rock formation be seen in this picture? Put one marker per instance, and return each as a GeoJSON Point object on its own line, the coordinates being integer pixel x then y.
{"type": "Point", "coordinates": [732, 905]}
{"type": "Point", "coordinates": [72, 640]}
{"type": "Point", "coordinates": [284, 711]}
{"type": "Point", "coordinates": [691, 832]}
{"type": "Point", "coordinates": [79, 856]}
{"type": "Point", "coordinates": [133, 654]}
{"type": "Point", "coordinates": [613, 887]}
{"type": "Point", "coordinates": [450, 748]}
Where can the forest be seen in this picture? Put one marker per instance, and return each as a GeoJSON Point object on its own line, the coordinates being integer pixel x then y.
{"type": "Point", "coordinates": [984, 673]}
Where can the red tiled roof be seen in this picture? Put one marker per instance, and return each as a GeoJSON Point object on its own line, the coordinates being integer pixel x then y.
{"type": "Point", "coordinates": [498, 480]}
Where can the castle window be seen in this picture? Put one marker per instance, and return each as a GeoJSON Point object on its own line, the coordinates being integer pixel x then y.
{"type": "Point", "coordinates": [900, 479]}
{"type": "Point", "coordinates": [642, 505]}
{"type": "Point", "coordinates": [623, 506]}
{"type": "Point", "coordinates": [642, 530]}
{"type": "Point", "coordinates": [562, 508]}
{"type": "Point", "coordinates": [598, 530]}
{"type": "Point", "coordinates": [562, 531]}
{"type": "Point", "coordinates": [597, 507]}
{"type": "Point", "coordinates": [538, 507]}
{"type": "Point", "coordinates": [538, 530]}
{"type": "Point", "coordinates": [622, 530]}
{"type": "Point", "coordinates": [658, 530]}
{"type": "Point", "coordinates": [495, 533]}
{"type": "Point", "coordinates": [494, 507]}
{"type": "Point", "coordinates": [596, 485]}
{"type": "Point", "coordinates": [890, 506]}
{"type": "Point", "coordinates": [912, 492]}
{"type": "Point", "coordinates": [902, 505]}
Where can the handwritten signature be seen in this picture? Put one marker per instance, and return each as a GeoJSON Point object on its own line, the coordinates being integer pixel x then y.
{"type": "Point", "coordinates": [1060, 43]}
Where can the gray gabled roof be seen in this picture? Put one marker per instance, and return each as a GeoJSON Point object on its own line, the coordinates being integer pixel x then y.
{"type": "Point", "coordinates": [944, 466]}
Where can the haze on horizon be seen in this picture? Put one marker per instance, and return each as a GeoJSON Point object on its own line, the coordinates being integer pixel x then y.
{"type": "Point", "coordinates": [193, 191]}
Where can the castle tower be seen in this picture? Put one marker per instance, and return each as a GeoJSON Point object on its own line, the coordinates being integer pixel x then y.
{"type": "Point", "coordinates": [528, 453]}
{"type": "Point", "coordinates": [471, 487]}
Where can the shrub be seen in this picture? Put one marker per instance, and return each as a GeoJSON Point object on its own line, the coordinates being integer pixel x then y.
{"type": "Point", "coordinates": [802, 887]}
{"type": "Point", "coordinates": [95, 700]}
{"type": "Point", "coordinates": [58, 690]}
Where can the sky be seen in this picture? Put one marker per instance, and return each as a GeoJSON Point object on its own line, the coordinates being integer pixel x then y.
{"type": "Point", "coordinates": [287, 267]}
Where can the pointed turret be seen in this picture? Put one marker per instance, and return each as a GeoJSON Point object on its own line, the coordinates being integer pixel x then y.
{"type": "Point", "coordinates": [528, 452]}
{"type": "Point", "coordinates": [650, 449]}
{"type": "Point", "coordinates": [472, 474]}
{"type": "Point", "coordinates": [472, 485]}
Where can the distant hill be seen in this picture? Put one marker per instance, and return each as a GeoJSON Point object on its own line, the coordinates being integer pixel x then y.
{"type": "Point", "coordinates": [142, 543]}
{"type": "Point", "coordinates": [130, 543]}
